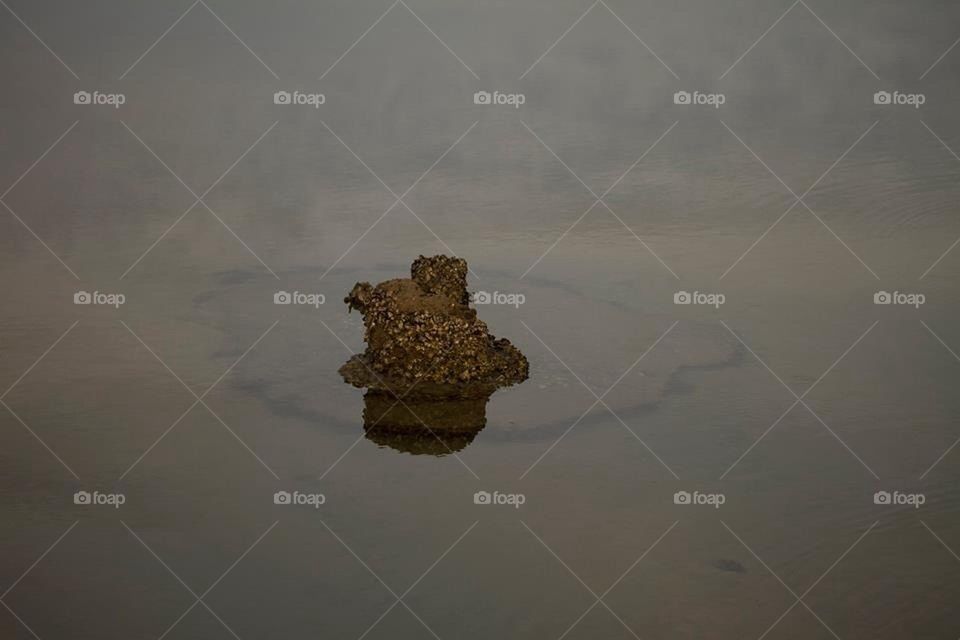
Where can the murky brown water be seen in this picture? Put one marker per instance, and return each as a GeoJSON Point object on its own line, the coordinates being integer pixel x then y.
{"type": "Point", "coordinates": [252, 391]}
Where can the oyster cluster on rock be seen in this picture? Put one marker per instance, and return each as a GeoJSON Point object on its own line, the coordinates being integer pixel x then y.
{"type": "Point", "coordinates": [428, 355]}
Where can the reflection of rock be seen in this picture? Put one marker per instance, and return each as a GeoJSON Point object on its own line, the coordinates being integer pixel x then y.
{"type": "Point", "coordinates": [423, 426]}
{"type": "Point", "coordinates": [430, 364]}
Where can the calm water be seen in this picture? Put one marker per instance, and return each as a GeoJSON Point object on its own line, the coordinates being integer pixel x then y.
{"type": "Point", "coordinates": [797, 549]}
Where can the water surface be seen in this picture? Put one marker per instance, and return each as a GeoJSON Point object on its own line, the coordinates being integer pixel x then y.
{"type": "Point", "coordinates": [297, 200]}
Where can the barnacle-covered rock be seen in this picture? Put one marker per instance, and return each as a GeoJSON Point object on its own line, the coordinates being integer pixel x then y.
{"type": "Point", "coordinates": [424, 340]}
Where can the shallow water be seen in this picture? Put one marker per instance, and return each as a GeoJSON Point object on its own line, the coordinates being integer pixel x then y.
{"type": "Point", "coordinates": [296, 203]}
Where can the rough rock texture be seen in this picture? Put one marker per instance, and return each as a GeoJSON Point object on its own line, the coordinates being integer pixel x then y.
{"type": "Point", "coordinates": [424, 340]}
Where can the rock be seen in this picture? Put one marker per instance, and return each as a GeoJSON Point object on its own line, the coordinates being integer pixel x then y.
{"type": "Point", "coordinates": [424, 340]}
{"type": "Point", "coordinates": [430, 364]}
